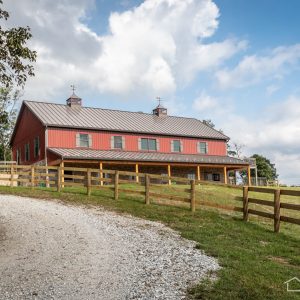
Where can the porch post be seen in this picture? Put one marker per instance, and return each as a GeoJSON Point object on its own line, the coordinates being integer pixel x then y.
{"type": "Point", "coordinates": [101, 174]}
{"type": "Point", "coordinates": [249, 176]}
{"type": "Point", "coordinates": [169, 174]}
{"type": "Point", "coordinates": [198, 173]}
{"type": "Point", "coordinates": [225, 175]}
{"type": "Point", "coordinates": [62, 164]}
{"type": "Point", "coordinates": [136, 171]}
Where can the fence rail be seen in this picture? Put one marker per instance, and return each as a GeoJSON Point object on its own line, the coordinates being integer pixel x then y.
{"type": "Point", "coordinates": [150, 189]}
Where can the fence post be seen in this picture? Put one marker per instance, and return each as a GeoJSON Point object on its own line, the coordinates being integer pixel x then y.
{"type": "Point", "coordinates": [193, 196]}
{"type": "Point", "coordinates": [32, 177]}
{"type": "Point", "coordinates": [276, 210]}
{"type": "Point", "coordinates": [147, 189]}
{"type": "Point", "coordinates": [245, 203]}
{"type": "Point", "coordinates": [59, 172]}
{"type": "Point", "coordinates": [116, 185]}
{"type": "Point", "coordinates": [89, 182]}
{"type": "Point", "coordinates": [11, 176]}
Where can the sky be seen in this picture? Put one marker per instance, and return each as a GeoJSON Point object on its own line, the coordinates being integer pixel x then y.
{"type": "Point", "coordinates": [235, 62]}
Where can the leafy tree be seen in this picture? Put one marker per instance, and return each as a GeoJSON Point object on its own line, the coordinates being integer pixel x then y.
{"type": "Point", "coordinates": [8, 113]}
{"type": "Point", "coordinates": [265, 168]}
{"type": "Point", "coordinates": [15, 57]}
{"type": "Point", "coordinates": [15, 68]}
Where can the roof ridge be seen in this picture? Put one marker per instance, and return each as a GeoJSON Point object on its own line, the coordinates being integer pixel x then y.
{"type": "Point", "coordinates": [111, 109]}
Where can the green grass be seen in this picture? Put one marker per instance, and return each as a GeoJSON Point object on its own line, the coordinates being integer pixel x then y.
{"type": "Point", "coordinates": [255, 261]}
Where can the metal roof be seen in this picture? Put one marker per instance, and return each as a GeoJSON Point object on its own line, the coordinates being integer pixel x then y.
{"type": "Point", "coordinates": [58, 115]}
{"type": "Point", "coordinates": [116, 155]}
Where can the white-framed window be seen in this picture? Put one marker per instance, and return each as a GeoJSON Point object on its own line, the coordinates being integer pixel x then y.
{"type": "Point", "coordinates": [36, 146]}
{"type": "Point", "coordinates": [176, 146]}
{"type": "Point", "coordinates": [27, 152]}
{"type": "Point", "coordinates": [202, 147]}
{"type": "Point", "coordinates": [83, 140]}
{"type": "Point", "coordinates": [117, 142]}
{"type": "Point", "coordinates": [18, 156]}
{"type": "Point", "coordinates": [148, 144]}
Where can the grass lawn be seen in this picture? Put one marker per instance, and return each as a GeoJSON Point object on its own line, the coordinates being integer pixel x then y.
{"type": "Point", "coordinates": [255, 261]}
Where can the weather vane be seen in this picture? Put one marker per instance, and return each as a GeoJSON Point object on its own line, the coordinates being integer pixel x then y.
{"type": "Point", "coordinates": [73, 88]}
{"type": "Point", "coordinates": [159, 100]}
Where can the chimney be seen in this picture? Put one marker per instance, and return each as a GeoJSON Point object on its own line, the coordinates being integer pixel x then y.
{"type": "Point", "coordinates": [159, 110]}
{"type": "Point", "coordinates": [74, 100]}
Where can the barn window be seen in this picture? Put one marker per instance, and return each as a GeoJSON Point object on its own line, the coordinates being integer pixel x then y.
{"type": "Point", "coordinates": [18, 156]}
{"type": "Point", "coordinates": [176, 146]}
{"type": "Point", "coordinates": [83, 140]}
{"type": "Point", "coordinates": [148, 144]}
{"type": "Point", "coordinates": [27, 154]}
{"type": "Point", "coordinates": [203, 147]}
{"type": "Point", "coordinates": [117, 142]}
{"type": "Point", "coordinates": [36, 146]}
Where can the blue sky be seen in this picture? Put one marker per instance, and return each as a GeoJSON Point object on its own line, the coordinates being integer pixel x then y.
{"type": "Point", "coordinates": [235, 62]}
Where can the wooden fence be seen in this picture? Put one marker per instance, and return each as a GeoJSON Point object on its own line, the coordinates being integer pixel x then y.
{"type": "Point", "coordinates": [149, 187]}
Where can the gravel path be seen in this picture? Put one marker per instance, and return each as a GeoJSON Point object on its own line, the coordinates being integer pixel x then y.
{"type": "Point", "coordinates": [50, 250]}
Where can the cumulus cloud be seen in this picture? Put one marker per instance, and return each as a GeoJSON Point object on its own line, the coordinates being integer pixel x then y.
{"type": "Point", "coordinates": [274, 134]}
{"type": "Point", "coordinates": [254, 69]}
{"type": "Point", "coordinates": [151, 47]}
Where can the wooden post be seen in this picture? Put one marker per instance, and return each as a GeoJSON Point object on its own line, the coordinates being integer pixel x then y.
{"type": "Point", "coordinates": [249, 176]}
{"type": "Point", "coordinates": [276, 210]}
{"type": "Point", "coordinates": [169, 174]}
{"type": "Point", "coordinates": [225, 175]}
{"type": "Point", "coordinates": [147, 189]}
{"type": "Point", "coordinates": [198, 174]}
{"type": "Point", "coordinates": [245, 203]}
{"type": "Point", "coordinates": [137, 171]}
{"type": "Point", "coordinates": [193, 196]}
{"type": "Point", "coordinates": [101, 172]}
{"type": "Point", "coordinates": [89, 182]}
{"type": "Point", "coordinates": [59, 179]}
{"type": "Point", "coordinates": [116, 185]}
{"type": "Point", "coordinates": [32, 177]}
{"type": "Point", "coordinates": [62, 179]}
{"type": "Point", "coordinates": [11, 175]}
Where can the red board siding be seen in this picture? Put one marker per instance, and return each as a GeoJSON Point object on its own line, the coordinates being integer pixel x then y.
{"type": "Point", "coordinates": [66, 138]}
{"type": "Point", "coordinates": [28, 128]}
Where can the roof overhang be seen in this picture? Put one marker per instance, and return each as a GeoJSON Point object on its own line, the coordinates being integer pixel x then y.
{"type": "Point", "coordinates": [117, 155]}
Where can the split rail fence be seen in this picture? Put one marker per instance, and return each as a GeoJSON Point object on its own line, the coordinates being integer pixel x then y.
{"type": "Point", "coordinates": [151, 188]}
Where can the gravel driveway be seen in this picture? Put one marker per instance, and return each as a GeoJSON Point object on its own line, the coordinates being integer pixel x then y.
{"type": "Point", "coordinates": [50, 250]}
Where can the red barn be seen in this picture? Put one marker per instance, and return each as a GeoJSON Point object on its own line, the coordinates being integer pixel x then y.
{"type": "Point", "coordinates": [73, 135]}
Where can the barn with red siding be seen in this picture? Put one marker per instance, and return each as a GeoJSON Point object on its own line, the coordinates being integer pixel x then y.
{"type": "Point", "coordinates": [72, 135]}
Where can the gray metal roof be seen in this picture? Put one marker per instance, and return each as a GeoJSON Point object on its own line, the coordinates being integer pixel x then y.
{"type": "Point", "coordinates": [58, 115]}
{"type": "Point", "coordinates": [89, 154]}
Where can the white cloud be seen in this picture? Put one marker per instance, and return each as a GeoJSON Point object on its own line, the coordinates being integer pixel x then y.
{"type": "Point", "coordinates": [211, 107]}
{"type": "Point", "coordinates": [148, 49]}
{"type": "Point", "coordinates": [275, 134]}
{"type": "Point", "coordinates": [254, 69]}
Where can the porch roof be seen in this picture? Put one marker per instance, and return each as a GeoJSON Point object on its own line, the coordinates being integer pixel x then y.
{"type": "Point", "coordinates": [117, 155]}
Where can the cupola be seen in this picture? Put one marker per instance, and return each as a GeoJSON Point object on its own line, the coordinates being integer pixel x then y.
{"type": "Point", "coordinates": [160, 110]}
{"type": "Point", "coordinates": [74, 100]}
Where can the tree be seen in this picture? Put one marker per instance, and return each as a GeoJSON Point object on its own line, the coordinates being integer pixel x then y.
{"type": "Point", "coordinates": [265, 168]}
{"type": "Point", "coordinates": [8, 113]}
{"type": "Point", "coordinates": [15, 57]}
{"type": "Point", "coordinates": [15, 68]}
{"type": "Point", "coordinates": [235, 149]}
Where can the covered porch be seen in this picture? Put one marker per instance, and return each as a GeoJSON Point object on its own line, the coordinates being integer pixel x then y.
{"type": "Point", "coordinates": [198, 167]}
